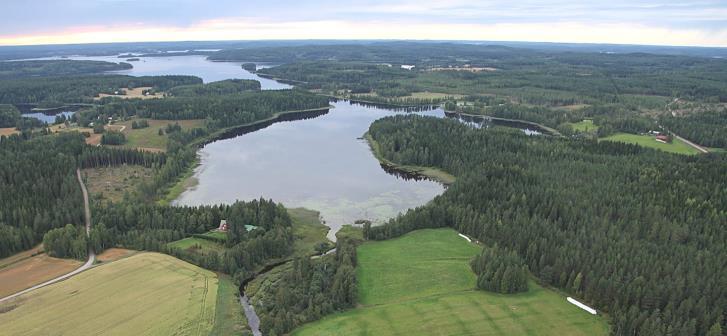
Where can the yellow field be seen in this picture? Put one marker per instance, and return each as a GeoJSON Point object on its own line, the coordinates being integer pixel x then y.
{"type": "Point", "coordinates": [8, 131]}
{"type": "Point", "coordinates": [145, 294]}
{"type": "Point", "coordinates": [27, 269]}
{"type": "Point", "coordinates": [137, 93]}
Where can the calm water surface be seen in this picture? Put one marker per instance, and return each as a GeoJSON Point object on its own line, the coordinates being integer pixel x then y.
{"type": "Point", "coordinates": [318, 163]}
{"type": "Point", "coordinates": [195, 65]}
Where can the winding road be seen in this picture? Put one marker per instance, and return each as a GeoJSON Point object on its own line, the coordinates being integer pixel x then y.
{"type": "Point", "coordinates": [91, 254]}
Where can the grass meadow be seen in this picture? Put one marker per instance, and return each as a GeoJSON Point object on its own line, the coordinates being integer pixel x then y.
{"type": "Point", "coordinates": [421, 284]}
{"type": "Point", "coordinates": [677, 146]}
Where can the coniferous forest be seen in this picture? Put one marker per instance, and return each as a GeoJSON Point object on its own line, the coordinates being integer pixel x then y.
{"type": "Point", "coordinates": [632, 231]}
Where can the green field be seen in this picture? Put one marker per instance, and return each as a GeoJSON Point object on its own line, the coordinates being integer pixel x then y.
{"type": "Point", "coordinates": [421, 284]}
{"type": "Point", "coordinates": [145, 294]}
{"type": "Point", "coordinates": [584, 126]}
{"type": "Point", "coordinates": [229, 317]}
{"type": "Point", "coordinates": [197, 245]}
{"type": "Point", "coordinates": [677, 146]}
{"type": "Point", "coordinates": [149, 137]}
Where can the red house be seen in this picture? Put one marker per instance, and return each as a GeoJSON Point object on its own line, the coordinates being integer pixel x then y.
{"type": "Point", "coordinates": [663, 138]}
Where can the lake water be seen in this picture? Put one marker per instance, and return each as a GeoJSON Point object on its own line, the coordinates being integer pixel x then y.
{"type": "Point", "coordinates": [50, 119]}
{"type": "Point", "coordinates": [194, 65]}
{"type": "Point", "coordinates": [318, 163]}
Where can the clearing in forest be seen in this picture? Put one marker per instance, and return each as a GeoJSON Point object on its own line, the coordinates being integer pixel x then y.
{"type": "Point", "coordinates": [676, 146]}
{"type": "Point", "coordinates": [145, 294]}
{"type": "Point", "coordinates": [113, 182]}
{"type": "Point", "coordinates": [421, 284]}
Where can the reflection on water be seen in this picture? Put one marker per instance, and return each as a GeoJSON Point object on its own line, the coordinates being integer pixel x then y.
{"type": "Point", "coordinates": [319, 163]}
{"type": "Point", "coordinates": [195, 65]}
{"type": "Point", "coordinates": [48, 118]}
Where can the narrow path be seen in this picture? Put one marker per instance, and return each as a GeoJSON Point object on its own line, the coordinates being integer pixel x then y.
{"type": "Point", "coordinates": [697, 147]}
{"type": "Point", "coordinates": [91, 254]}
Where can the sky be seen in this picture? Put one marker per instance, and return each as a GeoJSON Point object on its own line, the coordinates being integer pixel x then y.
{"type": "Point", "coordinates": [654, 22]}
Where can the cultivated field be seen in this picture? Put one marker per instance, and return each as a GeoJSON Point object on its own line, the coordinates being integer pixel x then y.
{"type": "Point", "coordinates": [677, 146]}
{"type": "Point", "coordinates": [27, 269]}
{"type": "Point", "coordinates": [113, 182]}
{"type": "Point", "coordinates": [145, 294]}
{"type": "Point", "coordinates": [8, 131]}
{"type": "Point", "coordinates": [421, 284]}
{"type": "Point", "coordinates": [136, 93]}
{"type": "Point", "coordinates": [114, 254]}
{"type": "Point", "coordinates": [148, 138]}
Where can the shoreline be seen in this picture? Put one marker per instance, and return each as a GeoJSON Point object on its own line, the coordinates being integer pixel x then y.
{"type": "Point", "coordinates": [187, 180]}
{"type": "Point", "coordinates": [431, 173]}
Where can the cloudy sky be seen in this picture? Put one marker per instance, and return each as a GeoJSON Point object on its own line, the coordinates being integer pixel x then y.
{"type": "Point", "coordinates": [659, 22]}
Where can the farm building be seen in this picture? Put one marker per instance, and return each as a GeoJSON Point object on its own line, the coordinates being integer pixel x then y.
{"type": "Point", "coordinates": [663, 138]}
{"type": "Point", "coordinates": [223, 226]}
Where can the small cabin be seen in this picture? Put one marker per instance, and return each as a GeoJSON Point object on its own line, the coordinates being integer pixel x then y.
{"type": "Point", "coordinates": [663, 138]}
{"type": "Point", "coordinates": [223, 226]}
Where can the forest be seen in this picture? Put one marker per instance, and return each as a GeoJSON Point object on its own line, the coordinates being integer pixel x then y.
{"type": "Point", "coordinates": [708, 128]}
{"type": "Point", "coordinates": [634, 232]}
{"type": "Point", "coordinates": [57, 91]}
{"type": "Point", "coordinates": [46, 68]}
{"type": "Point", "coordinates": [311, 289]}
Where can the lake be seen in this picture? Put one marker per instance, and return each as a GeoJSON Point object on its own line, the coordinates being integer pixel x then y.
{"type": "Point", "coordinates": [319, 163]}
{"type": "Point", "coordinates": [193, 65]}
{"type": "Point", "coordinates": [48, 118]}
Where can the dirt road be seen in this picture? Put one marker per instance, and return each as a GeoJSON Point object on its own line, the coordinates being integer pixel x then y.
{"type": "Point", "coordinates": [91, 254]}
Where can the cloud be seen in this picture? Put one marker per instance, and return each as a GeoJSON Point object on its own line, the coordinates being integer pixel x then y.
{"type": "Point", "coordinates": [618, 21]}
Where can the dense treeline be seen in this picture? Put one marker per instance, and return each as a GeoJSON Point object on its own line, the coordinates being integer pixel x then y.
{"type": "Point", "coordinates": [569, 77]}
{"type": "Point", "coordinates": [311, 289]}
{"type": "Point", "coordinates": [139, 225]}
{"type": "Point", "coordinates": [500, 271]}
{"type": "Point", "coordinates": [66, 242]}
{"type": "Point", "coordinates": [113, 138]}
{"type": "Point", "coordinates": [56, 91]}
{"type": "Point", "coordinates": [707, 128]}
{"type": "Point", "coordinates": [225, 87]}
{"type": "Point", "coordinates": [39, 190]}
{"type": "Point", "coordinates": [44, 68]}
{"type": "Point", "coordinates": [632, 231]}
{"type": "Point", "coordinates": [9, 116]}
{"type": "Point", "coordinates": [221, 111]}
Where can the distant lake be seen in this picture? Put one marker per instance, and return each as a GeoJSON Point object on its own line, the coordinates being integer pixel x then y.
{"type": "Point", "coordinates": [48, 118]}
{"type": "Point", "coordinates": [194, 65]}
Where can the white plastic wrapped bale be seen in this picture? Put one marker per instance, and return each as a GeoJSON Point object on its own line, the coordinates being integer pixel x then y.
{"type": "Point", "coordinates": [582, 306]}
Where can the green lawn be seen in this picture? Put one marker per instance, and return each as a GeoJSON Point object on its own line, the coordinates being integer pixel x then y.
{"type": "Point", "coordinates": [421, 284]}
{"type": "Point", "coordinates": [229, 317]}
{"type": "Point", "coordinates": [197, 245]}
{"type": "Point", "coordinates": [676, 146]}
{"type": "Point", "coordinates": [584, 126]}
